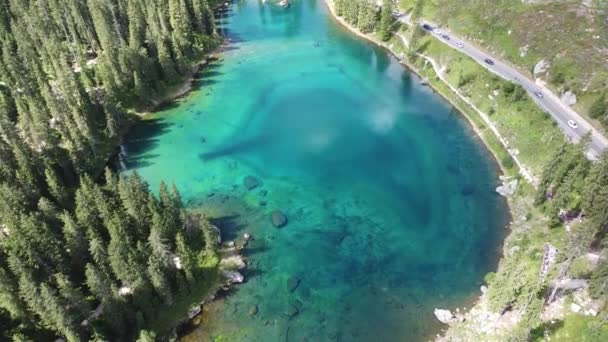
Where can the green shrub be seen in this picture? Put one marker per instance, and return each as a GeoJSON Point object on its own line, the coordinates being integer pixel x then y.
{"type": "Point", "coordinates": [507, 162]}
{"type": "Point", "coordinates": [580, 269]}
{"type": "Point", "coordinates": [489, 277]}
{"type": "Point", "coordinates": [599, 108]}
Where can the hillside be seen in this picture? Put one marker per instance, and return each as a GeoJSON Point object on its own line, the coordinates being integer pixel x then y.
{"type": "Point", "coordinates": [566, 41]}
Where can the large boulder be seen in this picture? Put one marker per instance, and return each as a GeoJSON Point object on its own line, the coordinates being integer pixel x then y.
{"type": "Point", "coordinates": [234, 277]}
{"type": "Point", "coordinates": [541, 67]}
{"type": "Point", "coordinates": [507, 189]}
{"type": "Point", "coordinates": [278, 219]}
{"type": "Point", "coordinates": [445, 316]}
{"type": "Point", "coordinates": [251, 182]}
{"type": "Point", "coordinates": [234, 262]}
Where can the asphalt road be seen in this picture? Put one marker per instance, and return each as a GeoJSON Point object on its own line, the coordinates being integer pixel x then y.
{"type": "Point", "coordinates": [548, 101]}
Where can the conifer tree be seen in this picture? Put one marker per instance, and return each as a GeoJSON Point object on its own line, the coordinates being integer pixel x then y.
{"type": "Point", "coordinates": [386, 19]}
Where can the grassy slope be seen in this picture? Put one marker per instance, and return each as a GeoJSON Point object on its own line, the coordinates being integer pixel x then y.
{"type": "Point", "coordinates": [527, 128]}
{"type": "Point", "coordinates": [574, 37]}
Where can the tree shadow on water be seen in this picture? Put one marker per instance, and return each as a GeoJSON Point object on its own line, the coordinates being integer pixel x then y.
{"type": "Point", "coordinates": [143, 138]}
{"type": "Point", "coordinates": [230, 226]}
{"type": "Point", "coordinates": [236, 148]}
{"type": "Point", "coordinates": [252, 272]}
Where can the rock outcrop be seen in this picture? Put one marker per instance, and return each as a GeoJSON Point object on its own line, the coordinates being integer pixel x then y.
{"type": "Point", "coordinates": [234, 262]}
{"type": "Point", "coordinates": [507, 189]}
{"type": "Point", "coordinates": [445, 316]}
{"type": "Point", "coordinates": [233, 277]}
{"type": "Point", "coordinates": [541, 67]}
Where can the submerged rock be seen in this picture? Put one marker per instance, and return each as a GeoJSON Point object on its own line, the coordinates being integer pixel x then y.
{"type": "Point", "coordinates": [467, 190]}
{"type": "Point", "coordinates": [279, 219]}
{"type": "Point", "coordinates": [445, 316]}
{"type": "Point", "coordinates": [541, 67]}
{"type": "Point", "coordinates": [253, 310]}
{"type": "Point", "coordinates": [292, 311]}
{"type": "Point", "coordinates": [251, 182]}
{"type": "Point", "coordinates": [293, 283]}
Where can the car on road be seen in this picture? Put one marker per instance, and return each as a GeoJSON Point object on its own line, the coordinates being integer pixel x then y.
{"type": "Point", "coordinates": [445, 36]}
{"type": "Point", "coordinates": [489, 61]}
{"type": "Point", "coordinates": [396, 13]}
{"type": "Point", "coordinates": [438, 31]}
{"type": "Point", "coordinates": [427, 27]}
{"type": "Point", "coordinates": [539, 94]}
{"type": "Point", "coordinates": [572, 124]}
{"type": "Point", "coordinates": [460, 44]}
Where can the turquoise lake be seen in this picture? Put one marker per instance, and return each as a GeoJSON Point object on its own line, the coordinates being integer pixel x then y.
{"type": "Point", "coordinates": [388, 192]}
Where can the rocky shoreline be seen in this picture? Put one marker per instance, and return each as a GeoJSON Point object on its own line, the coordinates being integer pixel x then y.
{"type": "Point", "coordinates": [231, 264]}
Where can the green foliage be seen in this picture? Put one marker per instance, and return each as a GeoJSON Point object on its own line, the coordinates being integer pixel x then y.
{"type": "Point", "coordinates": [120, 258]}
{"type": "Point", "coordinates": [464, 79]}
{"type": "Point", "coordinates": [599, 280]}
{"type": "Point", "coordinates": [387, 20]}
{"type": "Point", "coordinates": [599, 109]}
{"type": "Point", "coordinates": [364, 15]}
{"type": "Point", "coordinates": [508, 162]}
{"type": "Point", "coordinates": [513, 92]}
{"type": "Point", "coordinates": [510, 284]}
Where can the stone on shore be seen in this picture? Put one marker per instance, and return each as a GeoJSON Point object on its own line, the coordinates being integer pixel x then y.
{"type": "Point", "coordinates": [194, 311]}
{"type": "Point", "coordinates": [234, 277]}
{"type": "Point", "coordinates": [279, 219]}
{"type": "Point", "coordinates": [234, 262]}
{"type": "Point", "coordinates": [445, 316]}
{"type": "Point", "coordinates": [507, 189]}
{"type": "Point", "coordinates": [251, 182]}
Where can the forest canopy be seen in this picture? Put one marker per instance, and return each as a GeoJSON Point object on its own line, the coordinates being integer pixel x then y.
{"type": "Point", "coordinates": [82, 257]}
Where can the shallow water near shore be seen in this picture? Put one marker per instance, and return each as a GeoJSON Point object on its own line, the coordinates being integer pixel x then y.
{"type": "Point", "coordinates": [389, 194]}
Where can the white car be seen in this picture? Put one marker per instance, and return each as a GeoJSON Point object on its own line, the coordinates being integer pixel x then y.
{"type": "Point", "coordinates": [460, 44]}
{"type": "Point", "coordinates": [539, 94]}
{"type": "Point", "coordinates": [438, 31]}
{"type": "Point", "coordinates": [572, 124]}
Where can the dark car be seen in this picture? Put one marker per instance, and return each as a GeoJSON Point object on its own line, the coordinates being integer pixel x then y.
{"type": "Point", "coordinates": [427, 27]}
{"type": "Point", "coordinates": [446, 37]}
{"type": "Point", "coordinates": [489, 61]}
